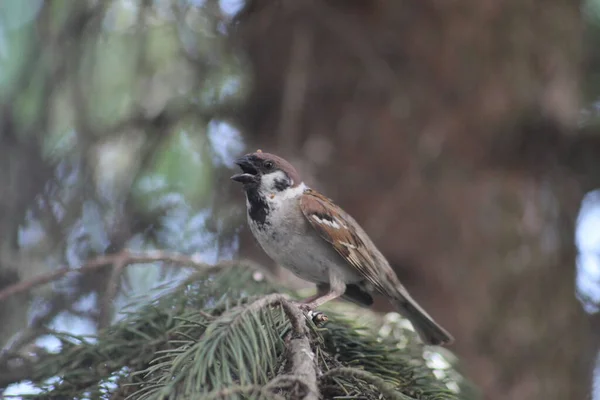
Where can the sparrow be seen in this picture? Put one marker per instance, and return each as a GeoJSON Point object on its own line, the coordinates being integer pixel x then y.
{"type": "Point", "coordinates": [307, 233]}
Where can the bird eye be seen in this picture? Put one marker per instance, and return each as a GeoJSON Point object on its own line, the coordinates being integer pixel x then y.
{"type": "Point", "coordinates": [268, 164]}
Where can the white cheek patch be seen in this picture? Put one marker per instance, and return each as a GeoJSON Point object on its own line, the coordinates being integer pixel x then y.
{"type": "Point", "coordinates": [292, 192]}
{"type": "Point", "coordinates": [334, 223]}
{"type": "Point", "coordinates": [268, 187]}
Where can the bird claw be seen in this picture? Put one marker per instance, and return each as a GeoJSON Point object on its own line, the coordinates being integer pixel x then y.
{"type": "Point", "coordinates": [317, 317]}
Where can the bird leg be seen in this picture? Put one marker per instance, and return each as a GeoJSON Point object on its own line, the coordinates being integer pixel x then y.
{"type": "Point", "coordinates": [336, 288]}
{"type": "Point", "coordinates": [322, 290]}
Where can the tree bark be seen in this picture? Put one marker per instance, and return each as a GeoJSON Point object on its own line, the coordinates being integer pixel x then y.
{"type": "Point", "coordinates": [448, 130]}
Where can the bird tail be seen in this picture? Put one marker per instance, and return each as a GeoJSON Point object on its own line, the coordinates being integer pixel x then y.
{"type": "Point", "coordinates": [430, 332]}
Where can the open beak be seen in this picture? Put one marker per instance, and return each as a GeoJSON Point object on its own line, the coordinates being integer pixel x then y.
{"type": "Point", "coordinates": [249, 173]}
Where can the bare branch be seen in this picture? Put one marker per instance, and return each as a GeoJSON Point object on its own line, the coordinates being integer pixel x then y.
{"type": "Point", "coordinates": [125, 258]}
{"type": "Point", "coordinates": [111, 291]}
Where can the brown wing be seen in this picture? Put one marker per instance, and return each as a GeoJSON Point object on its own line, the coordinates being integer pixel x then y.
{"type": "Point", "coordinates": [331, 222]}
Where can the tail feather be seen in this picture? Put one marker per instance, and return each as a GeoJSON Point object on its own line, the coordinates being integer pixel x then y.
{"type": "Point", "coordinates": [430, 332]}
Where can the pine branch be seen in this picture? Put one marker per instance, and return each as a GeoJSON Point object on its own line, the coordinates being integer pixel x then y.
{"type": "Point", "coordinates": [219, 336]}
{"type": "Point", "coordinates": [119, 261]}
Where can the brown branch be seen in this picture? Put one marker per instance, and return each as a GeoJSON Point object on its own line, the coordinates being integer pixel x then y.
{"type": "Point", "coordinates": [302, 358]}
{"type": "Point", "coordinates": [126, 258]}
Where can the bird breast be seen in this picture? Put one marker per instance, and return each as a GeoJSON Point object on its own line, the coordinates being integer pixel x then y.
{"type": "Point", "coordinates": [287, 237]}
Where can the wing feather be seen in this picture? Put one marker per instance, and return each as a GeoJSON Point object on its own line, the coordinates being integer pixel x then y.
{"type": "Point", "coordinates": [331, 223]}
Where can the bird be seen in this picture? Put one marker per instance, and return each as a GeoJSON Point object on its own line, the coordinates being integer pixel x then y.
{"type": "Point", "coordinates": [307, 233]}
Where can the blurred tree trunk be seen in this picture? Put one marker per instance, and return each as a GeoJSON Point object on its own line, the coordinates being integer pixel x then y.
{"type": "Point", "coordinates": [440, 126]}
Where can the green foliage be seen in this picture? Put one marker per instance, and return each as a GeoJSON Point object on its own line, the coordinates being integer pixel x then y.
{"type": "Point", "coordinates": [206, 339]}
{"type": "Point", "coordinates": [183, 164]}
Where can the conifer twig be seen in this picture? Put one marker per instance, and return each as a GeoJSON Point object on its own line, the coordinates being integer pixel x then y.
{"type": "Point", "coordinates": [247, 390]}
{"type": "Point", "coordinates": [385, 388]}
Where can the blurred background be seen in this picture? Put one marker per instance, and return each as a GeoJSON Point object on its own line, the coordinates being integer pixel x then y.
{"type": "Point", "coordinates": [463, 136]}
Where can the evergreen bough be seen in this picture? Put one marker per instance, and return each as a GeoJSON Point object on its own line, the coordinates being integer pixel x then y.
{"type": "Point", "coordinates": [220, 336]}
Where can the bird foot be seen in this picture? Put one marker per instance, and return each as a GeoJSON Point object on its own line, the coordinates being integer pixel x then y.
{"type": "Point", "coordinates": [317, 317]}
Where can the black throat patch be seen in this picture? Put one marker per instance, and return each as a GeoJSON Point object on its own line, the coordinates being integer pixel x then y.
{"type": "Point", "coordinates": [259, 208]}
